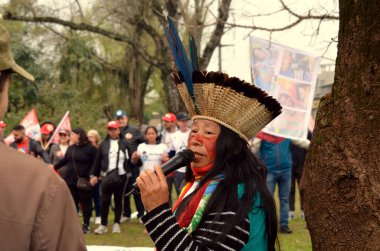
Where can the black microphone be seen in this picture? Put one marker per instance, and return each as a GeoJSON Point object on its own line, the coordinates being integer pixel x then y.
{"type": "Point", "coordinates": [182, 158]}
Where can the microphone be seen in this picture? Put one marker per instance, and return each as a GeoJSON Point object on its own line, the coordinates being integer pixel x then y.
{"type": "Point", "coordinates": [182, 158]}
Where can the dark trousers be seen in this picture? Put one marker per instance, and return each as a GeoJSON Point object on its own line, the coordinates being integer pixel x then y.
{"type": "Point", "coordinates": [118, 193]}
{"type": "Point", "coordinates": [96, 199]}
{"type": "Point", "coordinates": [178, 179]}
{"type": "Point", "coordinates": [84, 198]}
{"type": "Point", "coordinates": [136, 196]}
{"type": "Point", "coordinates": [296, 177]}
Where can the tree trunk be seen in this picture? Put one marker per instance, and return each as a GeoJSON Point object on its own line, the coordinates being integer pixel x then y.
{"type": "Point", "coordinates": [341, 181]}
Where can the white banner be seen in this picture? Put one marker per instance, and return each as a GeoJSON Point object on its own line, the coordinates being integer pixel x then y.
{"type": "Point", "coordinates": [290, 76]}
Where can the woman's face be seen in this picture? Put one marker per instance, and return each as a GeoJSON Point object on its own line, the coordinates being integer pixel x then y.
{"type": "Point", "coordinates": [74, 139]}
{"type": "Point", "coordinates": [91, 138]}
{"type": "Point", "coordinates": [64, 138]}
{"type": "Point", "coordinates": [151, 136]}
{"type": "Point", "coordinates": [202, 141]}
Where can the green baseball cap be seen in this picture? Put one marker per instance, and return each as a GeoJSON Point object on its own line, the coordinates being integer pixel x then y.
{"type": "Point", "coordinates": [6, 58]}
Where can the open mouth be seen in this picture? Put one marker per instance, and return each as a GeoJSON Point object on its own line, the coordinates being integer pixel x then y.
{"type": "Point", "coordinates": [199, 154]}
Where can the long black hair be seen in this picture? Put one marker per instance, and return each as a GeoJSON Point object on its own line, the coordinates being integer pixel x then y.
{"type": "Point", "coordinates": [83, 140]}
{"type": "Point", "coordinates": [237, 163]}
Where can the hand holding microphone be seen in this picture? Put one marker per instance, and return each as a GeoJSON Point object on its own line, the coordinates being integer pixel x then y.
{"type": "Point", "coordinates": [182, 158]}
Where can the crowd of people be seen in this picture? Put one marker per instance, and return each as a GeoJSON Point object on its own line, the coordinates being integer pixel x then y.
{"type": "Point", "coordinates": [84, 154]}
{"type": "Point", "coordinates": [126, 150]}
{"type": "Point", "coordinates": [225, 195]}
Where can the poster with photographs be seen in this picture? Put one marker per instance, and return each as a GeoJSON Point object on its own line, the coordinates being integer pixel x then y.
{"type": "Point", "coordinates": [290, 76]}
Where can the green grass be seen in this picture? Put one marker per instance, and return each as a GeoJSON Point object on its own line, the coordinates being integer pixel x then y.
{"type": "Point", "coordinates": [132, 234]}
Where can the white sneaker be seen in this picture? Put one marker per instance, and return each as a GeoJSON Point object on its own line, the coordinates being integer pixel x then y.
{"type": "Point", "coordinates": [124, 219]}
{"type": "Point", "coordinates": [291, 215]}
{"type": "Point", "coordinates": [140, 221]}
{"type": "Point", "coordinates": [101, 230]}
{"type": "Point", "coordinates": [116, 228]}
{"type": "Point", "coordinates": [98, 220]}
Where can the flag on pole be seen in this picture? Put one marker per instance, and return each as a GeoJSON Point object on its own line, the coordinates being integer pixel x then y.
{"type": "Point", "coordinates": [63, 124]}
{"type": "Point", "coordinates": [31, 125]}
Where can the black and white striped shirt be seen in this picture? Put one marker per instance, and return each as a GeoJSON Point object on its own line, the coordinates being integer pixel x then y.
{"type": "Point", "coordinates": [169, 236]}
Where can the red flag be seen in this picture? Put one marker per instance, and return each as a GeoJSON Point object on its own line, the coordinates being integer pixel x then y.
{"type": "Point", "coordinates": [64, 124]}
{"type": "Point", "coordinates": [32, 127]}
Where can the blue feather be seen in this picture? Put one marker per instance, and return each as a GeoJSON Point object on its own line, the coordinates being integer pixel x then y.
{"type": "Point", "coordinates": [179, 55]}
{"type": "Point", "coordinates": [193, 53]}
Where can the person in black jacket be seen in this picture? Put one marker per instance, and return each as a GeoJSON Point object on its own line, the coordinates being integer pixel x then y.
{"type": "Point", "coordinates": [27, 145]}
{"type": "Point", "coordinates": [133, 137]}
{"type": "Point", "coordinates": [112, 154]}
{"type": "Point", "coordinates": [79, 158]}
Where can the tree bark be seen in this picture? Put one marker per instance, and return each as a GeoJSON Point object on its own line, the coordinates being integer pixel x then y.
{"type": "Point", "coordinates": [341, 181]}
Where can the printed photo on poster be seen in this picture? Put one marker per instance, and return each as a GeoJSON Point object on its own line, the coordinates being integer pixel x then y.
{"type": "Point", "coordinates": [297, 65]}
{"type": "Point", "coordinates": [290, 123]}
{"type": "Point", "coordinates": [292, 94]}
{"type": "Point", "coordinates": [289, 75]}
{"type": "Point", "coordinates": [263, 59]}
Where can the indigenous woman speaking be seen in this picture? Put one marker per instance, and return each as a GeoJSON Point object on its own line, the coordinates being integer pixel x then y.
{"type": "Point", "coordinates": [225, 204]}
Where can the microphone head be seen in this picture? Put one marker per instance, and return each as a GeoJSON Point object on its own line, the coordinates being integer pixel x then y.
{"type": "Point", "coordinates": [187, 155]}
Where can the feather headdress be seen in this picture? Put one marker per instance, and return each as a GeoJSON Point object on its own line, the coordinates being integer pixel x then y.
{"type": "Point", "coordinates": [229, 101]}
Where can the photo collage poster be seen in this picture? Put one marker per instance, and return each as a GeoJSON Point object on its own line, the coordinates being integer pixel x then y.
{"type": "Point", "coordinates": [290, 76]}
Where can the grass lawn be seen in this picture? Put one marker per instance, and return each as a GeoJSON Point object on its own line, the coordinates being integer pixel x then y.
{"type": "Point", "coordinates": [132, 235]}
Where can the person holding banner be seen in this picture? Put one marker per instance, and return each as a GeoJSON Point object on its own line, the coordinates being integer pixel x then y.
{"type": "Point", "coordinates": [49, 222]}
{"type": "Point", "coordinates": [47, 129]}
{"type": "Point", "coordinates": [275, 153]}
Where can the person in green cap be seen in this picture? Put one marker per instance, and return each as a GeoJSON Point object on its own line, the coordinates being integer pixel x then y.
{"type": "Point", "coordinates": [37, 211]}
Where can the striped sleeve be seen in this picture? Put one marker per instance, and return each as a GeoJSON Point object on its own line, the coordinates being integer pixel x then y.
{"type": "Point", "coordinates": [164, 230]}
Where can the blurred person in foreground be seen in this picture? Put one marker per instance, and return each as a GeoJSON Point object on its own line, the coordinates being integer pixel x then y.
{"type": "Point", "coordinates": [225, 204]}
{"type": "Point", "coordinates": [50, 221]}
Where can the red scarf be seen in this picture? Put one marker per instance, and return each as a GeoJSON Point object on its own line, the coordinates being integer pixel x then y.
{"type": "Point", "coordinates": [185, 217]}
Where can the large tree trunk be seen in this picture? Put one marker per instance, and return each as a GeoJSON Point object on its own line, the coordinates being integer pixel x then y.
{"type": "Point", "coordinates": [341, 182]}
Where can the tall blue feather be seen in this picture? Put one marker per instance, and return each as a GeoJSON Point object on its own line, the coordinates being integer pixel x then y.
{"type": "Point", "coordinates": [193, 53]}
{"type": "Point", "coordinates": [179, 55]}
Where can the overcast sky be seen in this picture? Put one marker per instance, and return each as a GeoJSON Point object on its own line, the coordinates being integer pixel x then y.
{"type": "Point", "coordinates": [235, 59]}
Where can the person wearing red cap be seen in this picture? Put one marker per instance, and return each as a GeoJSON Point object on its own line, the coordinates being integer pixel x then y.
{"type": "Point", "coordinates": [112, 157]}
{"type": "Point", "coordinates": [47, 129]}
{"type": "Point", "coordinates": [41, 215]}
{"type": "Point", "coordinates": [132, 137]}
{"type": "Point", "coordinates": [168, 127]}
{"type": "Point", "coordinates": [2, 129]}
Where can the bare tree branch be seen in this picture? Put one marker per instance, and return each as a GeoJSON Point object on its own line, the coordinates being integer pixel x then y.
{"type": "Point", "coordinates": [80, 9]}
{"type": "Point", "coordinates": [88, 28]}
{"type": "Point", "coordinates": [216, 36]}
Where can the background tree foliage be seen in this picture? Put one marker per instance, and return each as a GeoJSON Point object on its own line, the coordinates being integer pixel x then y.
{"type": "Point", "coordinates": [114, 53]}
